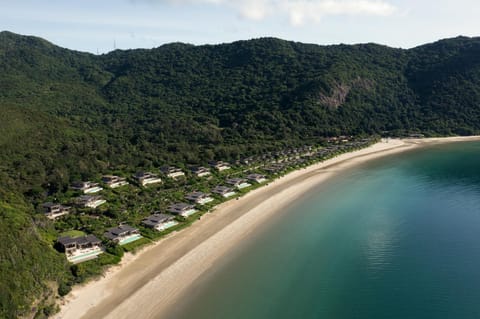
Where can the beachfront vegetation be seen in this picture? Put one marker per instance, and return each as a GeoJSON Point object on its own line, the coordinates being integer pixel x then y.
{"type": "Point", "coordinates": [68, 116]}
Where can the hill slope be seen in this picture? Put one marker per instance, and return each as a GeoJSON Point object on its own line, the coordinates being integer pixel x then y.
{"type": "Point", "coordinates": [69, 115]}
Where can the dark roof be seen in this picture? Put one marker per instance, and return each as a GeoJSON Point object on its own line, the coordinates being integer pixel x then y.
{"type": "Point", "coordinates": [78, 184]}
{"type": "Point", "coordinates": [82, 241]}
{"type": "Point", "coordinates": [195, 195]}
{"type": "Point", "coordinates": [156, 219]}
{"type": "Point", "coordinates": [159, 218]}
{"type": "Point", "coordinates": [254, 176]}
{"type": "Point", "coordinates": [217, 163]}
{"type": "Point", "coordinates": [223, 189]}
{"type": "Point", "coordinates": [143, 175]}
{"type": "Point", "coordinates": [110, 235]}
{"type": "Point", "coordinates": [89, 239]}
{"type": "Point", "coordinates": [149, 222]}
{"type": "Point", "coordinates": [162, 217]}
{"type": "Point", "coordinates": [170, 169]}
{"type": "Point", "coordinates": [235, 181]}
{"type": "Point", "coordinates": [50, 204]}
{"type": "Point", "coordinates": [82, 185]}
{"type": "Point", "coordinates": [67, 240]}
{"type": "Point", "coordinates": [180, 206]}
{"type": "Point", "coordinates": [108, 178]}
{"type": "Point", "coordinates": [117, 231]}
{"type": "Point", "coordinates": [93, 239]}
{"type": "Point", "coordinates": [86, 198]}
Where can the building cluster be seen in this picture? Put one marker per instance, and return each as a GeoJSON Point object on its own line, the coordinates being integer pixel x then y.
{"type": "Point", "coordinates": [278, 162]}
{"type": "Point", "coordinates": [88, 247]}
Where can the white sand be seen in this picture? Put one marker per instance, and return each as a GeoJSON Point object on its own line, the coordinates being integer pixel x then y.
{"type": "Point", "coordinates": [146, 284]}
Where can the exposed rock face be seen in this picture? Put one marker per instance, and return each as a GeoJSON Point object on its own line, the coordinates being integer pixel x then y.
{"type": "Point", "coordinates": [340, 91]}
{"type": "Point", "coordinates": [338, 96]}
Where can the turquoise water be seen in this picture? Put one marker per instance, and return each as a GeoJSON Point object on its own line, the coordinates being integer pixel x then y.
{"type": "Point", "coordinates": [396, 238]}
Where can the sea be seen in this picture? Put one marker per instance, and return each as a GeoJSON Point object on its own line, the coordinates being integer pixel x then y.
{"type": "Point", "coordinates": [394, 238]}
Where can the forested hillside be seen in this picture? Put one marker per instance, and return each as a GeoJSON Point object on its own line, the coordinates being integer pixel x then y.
{"type": "Point", "coordinates": [67, 116]}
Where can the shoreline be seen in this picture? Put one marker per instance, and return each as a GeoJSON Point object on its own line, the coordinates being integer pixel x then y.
{"type": "Point", "coordinates": [149, 282]}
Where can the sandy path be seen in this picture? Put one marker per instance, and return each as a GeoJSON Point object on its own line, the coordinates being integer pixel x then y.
{"type": "Point", "coordinates": [146, 284]}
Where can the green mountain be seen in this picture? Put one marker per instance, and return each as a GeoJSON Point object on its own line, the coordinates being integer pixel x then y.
{"type": "Point", "coordinates": [68, 115]}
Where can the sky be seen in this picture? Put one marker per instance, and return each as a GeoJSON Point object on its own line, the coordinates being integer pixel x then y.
{"type": "Point", "coordinates": [100, 26]}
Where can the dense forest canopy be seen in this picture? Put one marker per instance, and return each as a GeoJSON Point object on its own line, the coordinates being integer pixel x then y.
{"type": "Point", "coordinates": [186, 103]}
{"type": "Point", "coordinates": [68, 115]}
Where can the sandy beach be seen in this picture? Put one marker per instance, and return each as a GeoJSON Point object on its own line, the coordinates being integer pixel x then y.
{"type": "Point", "coordinates": [147, 284]}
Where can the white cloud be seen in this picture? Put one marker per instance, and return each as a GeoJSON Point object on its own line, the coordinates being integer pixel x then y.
{"type": "Point", "coordinates": [304, 11]}
{"type": "Point", "coordinates": [299, 12]}
{"type": "Point", "coordinates": [252, 9]}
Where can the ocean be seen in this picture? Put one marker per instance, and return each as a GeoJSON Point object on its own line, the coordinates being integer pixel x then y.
{"type": "Point", "coordinates": [397, 237]}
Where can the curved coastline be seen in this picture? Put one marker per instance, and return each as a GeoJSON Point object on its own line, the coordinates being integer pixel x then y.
{"type": "Point", "coordinates": [149, 283]}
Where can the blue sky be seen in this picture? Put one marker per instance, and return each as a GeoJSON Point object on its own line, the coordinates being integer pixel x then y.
{"type": "Point", "coordinates": [98, 25]}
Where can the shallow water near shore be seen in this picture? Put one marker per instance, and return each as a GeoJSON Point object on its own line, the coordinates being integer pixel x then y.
{"type": "Point", "coordinates": [397, 237]}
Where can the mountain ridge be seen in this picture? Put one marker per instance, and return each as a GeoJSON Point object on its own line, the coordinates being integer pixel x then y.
{"type": "Point", "coordinates": [69, 115]}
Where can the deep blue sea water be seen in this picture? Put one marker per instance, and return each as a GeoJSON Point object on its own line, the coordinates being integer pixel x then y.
{"type": "Point", "coordinates": [398, 237]}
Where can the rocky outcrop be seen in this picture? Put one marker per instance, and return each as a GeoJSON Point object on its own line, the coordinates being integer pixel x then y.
{"type": "Point", "coordinates": [340, 91]}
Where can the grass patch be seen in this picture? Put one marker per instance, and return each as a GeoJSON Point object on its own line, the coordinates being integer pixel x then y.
{"type": "Point", "coordinates": [73, 233]}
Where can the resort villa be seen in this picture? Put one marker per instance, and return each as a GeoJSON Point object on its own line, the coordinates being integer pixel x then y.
{"type": "Point", "coordinates": [80, 249]}
{"type": "Point", "coordinates": [200, 171]}
{"type": "Point", "coordinates": [275, 168]}
{"type": "Point", "coordinates": [113, 181]}
{"type": "Point", "coordinates": [239, 183]}
{"type": "Point", "coordinates": [123, 234]}
{"type": "Point", "coordinates": [160, 222]}
{"type": "Point", "coordinates": [223, 191]}
{"type": "Point", "coordinates": [145, 178]}
{"type": "Point", "coordinates": [182, 209]}
{"type": "Point", "coordinates": [172, 172]}
{"type": "Point", "coordinates": [257, 178]}
{"type": "Point", "coordinates": [86, 187]}
{"type": "Point", "coordinates": [199, 198]}
{"type": "Point", "coordinates": [54, 210]}
{"type": "Point", "coordinates": [219, 165]}
{"type": "Point", "coordinates": [88, 201]}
